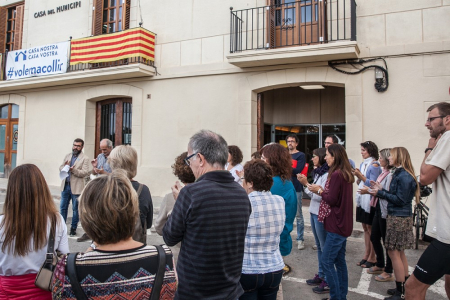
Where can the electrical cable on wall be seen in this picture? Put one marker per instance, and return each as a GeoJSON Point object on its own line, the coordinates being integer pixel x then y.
{"type": "Point", "coordinates": [140, 14]}
{"type": "Point", "coordinates": [381, 73]}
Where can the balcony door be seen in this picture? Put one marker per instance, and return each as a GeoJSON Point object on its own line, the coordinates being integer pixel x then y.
{"type": "Point", "coordinates": [9, 133]}
{"type": "Point", "coordinates": [294, 23]}
{"type": "Point", "coordinates": [113, 122]}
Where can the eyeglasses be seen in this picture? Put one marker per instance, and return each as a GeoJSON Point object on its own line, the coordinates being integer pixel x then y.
{"type": "Point", "coordinates": [429, 120]}
{"type": "Point", "coordinates": [78, 146]}
{"type": "Point", "coordinates": [186, 160]}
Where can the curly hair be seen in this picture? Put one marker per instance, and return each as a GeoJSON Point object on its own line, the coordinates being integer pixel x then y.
{"type": "Point", "coordinates": [181, 170]}
{"type": "Point", "coordinates": [279, 159]}
{"type": "Point", "coordinates": [256, 155]}
{"type": "Point", "coordinates": [236, 154]}
{"type": "Point", "coordinates": [371, 148]}
{"type": "Point", "coordinates": [259, 173]}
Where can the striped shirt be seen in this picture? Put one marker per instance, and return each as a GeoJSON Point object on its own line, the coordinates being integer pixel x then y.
{"type": "Point", "coordinates": [210, 218]}
{"type": "Point", "coordinates": [262, 253]}
{"type": "Point", "coordinates": [126, 274]}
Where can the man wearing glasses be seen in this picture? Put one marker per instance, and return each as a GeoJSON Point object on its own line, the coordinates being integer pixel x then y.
{"type": "Point", "coordinates": [73, 184]}
{"type": "Point", "coordinates": [210, 217]}
{"type": "Point", "coordinates": [435, 261]}
{"type": "Point", "coordinates": [298, 163]}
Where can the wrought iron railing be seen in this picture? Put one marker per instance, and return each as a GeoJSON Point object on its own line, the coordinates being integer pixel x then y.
{"type": "Point", "coordinates": [285, 23]}
{"type": "Point", "coordinates": [122, 62]}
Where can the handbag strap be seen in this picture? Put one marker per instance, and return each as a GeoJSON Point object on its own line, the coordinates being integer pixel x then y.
{"type": "Point", "coordinates": [159, 276]}
{"type": "Point", "coordinates": [72, 273]}
{"type": "Point", "coordinates": [51, 242]}
{"type": "Point", "coordinates": [139, 190]}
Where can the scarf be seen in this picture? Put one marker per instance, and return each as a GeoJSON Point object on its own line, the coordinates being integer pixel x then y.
{"type": "Point", "coordinates": [381, 177]}
{"type": "Point", "coordinates": [320, 170]}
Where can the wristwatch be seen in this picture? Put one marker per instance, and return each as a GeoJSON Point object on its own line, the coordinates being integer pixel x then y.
{"type": "Point", "coordinates": [426, 150]}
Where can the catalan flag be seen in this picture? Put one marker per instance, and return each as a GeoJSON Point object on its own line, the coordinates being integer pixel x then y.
{"type": "Point", "coordinates": [136, 42]}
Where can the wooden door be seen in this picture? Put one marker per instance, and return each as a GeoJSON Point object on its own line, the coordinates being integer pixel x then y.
{"type": "Point", "coordinates": [9, 134]}
{"type": "Point", "coordinates": [113, 122]}
{"type": "Point", "coordinates": [294, 23]}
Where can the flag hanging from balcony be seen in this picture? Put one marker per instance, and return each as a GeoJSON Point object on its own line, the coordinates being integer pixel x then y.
{"type": "Point", "coordinates": [136, 42]}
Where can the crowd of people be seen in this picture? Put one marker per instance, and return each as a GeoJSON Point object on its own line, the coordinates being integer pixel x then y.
{"type": "Point", "coordinates": [233, 221]}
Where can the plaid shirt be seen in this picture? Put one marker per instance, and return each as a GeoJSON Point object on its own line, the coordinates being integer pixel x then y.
{"type": "Point", "coordinates": [262, 254]}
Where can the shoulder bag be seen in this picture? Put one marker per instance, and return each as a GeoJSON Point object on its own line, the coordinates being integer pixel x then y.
{"type": "Point", "coordinates": [157, 284]}
{"type": "Point", "coordinates": [45, 275]}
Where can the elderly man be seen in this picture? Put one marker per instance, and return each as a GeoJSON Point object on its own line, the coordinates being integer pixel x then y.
{"type": "Point", "coordinates": [73, 185]}
{"type": "Point", "coordinates": [210, 216]}
{"type": "Point", "coordinates": [100, 164]}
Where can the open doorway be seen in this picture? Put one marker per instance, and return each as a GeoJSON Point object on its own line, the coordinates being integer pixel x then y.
{"type": "Point", "coordinates": [311, 114]}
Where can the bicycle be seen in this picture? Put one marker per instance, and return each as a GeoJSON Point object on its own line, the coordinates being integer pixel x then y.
{"type": "Point", "coordinates": [420, 216]}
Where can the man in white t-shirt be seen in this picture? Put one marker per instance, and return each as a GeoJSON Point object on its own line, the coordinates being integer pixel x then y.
{"type": "Point", "coordinates": [435, 261]}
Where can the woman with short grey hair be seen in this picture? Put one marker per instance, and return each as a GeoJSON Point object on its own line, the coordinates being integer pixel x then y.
{"type": "Point", "coordinates": [125, 157]}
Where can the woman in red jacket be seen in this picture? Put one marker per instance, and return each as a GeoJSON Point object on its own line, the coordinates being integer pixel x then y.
{"type": "Point", "coordinates": [336, 212]}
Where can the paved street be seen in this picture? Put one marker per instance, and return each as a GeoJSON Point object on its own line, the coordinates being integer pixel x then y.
{"type": "Point", "coordinates": [362, 286]}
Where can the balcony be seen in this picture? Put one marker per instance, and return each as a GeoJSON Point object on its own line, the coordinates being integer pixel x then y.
{"type": "Point", "coordinates": [122, 55]}
{"type": "Point", "coordinates": [293, 32]}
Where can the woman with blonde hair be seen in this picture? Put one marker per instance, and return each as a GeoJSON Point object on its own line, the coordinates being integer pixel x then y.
{"type": "Point", "coordinates": [125, 157]}
{"type": "Point", "coordinates": [116, 266]}
{"type": "Point", "coordinates": [29, 216]}
{"type": "Point", "coordinates": [399, 233]}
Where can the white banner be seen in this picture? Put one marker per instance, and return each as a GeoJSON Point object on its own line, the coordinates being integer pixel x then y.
{"type": "Point", "coordinates": [38, 61]}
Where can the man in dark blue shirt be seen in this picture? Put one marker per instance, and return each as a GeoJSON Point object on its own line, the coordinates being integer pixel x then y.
{"type": "Point", "coordinates": [298, 163]}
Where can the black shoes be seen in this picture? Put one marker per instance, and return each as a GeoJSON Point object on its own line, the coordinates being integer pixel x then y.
{"type": "Point", "coordinates": [73, 232]}
{"type": "Point", "coordinates": [84, 238]}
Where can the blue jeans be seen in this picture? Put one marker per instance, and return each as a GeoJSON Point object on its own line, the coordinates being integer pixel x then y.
{"type": "Point", "coordinates": [300, 222]}
{"type": "Point", "coordinates": [261, 286]}
{"type": "Point", "coordinates": [320, 235]}
{"type": "Point", "coordinates": [334, 265]}
{"type": "Point", "coordinates": [66, 196]}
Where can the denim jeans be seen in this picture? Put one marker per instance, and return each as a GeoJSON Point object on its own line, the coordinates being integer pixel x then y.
{"type": "Point", "coordinates": [334, 265]}
{"type": "Point", "coordinates": [261, 286]}
{"type": "Point", "coordinates": [66, 196]}
{"type": "Point", "coordinates": [300, 222]}
{"type": "Point", "coordinates": [320, 235]}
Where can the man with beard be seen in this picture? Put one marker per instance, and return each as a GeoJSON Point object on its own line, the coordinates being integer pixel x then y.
{"type": "Point", "coordinates": [73, 185]}
{"type": "Point", "coordinates": [298, 163]}
{"type": "Point", "coordinates": [435, 260]}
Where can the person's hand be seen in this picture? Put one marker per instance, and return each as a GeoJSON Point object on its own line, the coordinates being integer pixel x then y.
{"type": "Point", "coordinates": [94, 163]}
{"type": "Point", "coordinates": [302, 178]}
{"type": "Point", "coordinates": [71, 169]}
{"type": "Point", "coordinates": [358, 174]}
{"type": "Point", "coordinates": [364, 190]}
{"type": "Point", "coordinates": [240, 174]}
{"type": "Point", "coordinates": [373, 192]}
{"type": "Point", "coordinates": [314, 188]}
{"type": "Point", "coordinates": [67, 162]}
{"type": "Point", "coordinates": [433, 141]}
{"type": "Point", "coordinates": [99, 171]}
{"type": "Point", "coordinates": [375, 185]}
{"type": "Point", "coordinates": [176, 189]}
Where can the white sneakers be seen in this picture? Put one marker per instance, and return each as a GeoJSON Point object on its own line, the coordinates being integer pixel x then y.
{"type": "Point", "coordinates": [300, 245]}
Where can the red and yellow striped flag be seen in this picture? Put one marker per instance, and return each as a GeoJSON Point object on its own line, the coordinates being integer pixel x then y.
{"type": "Point", "coordinates": [136, 42]}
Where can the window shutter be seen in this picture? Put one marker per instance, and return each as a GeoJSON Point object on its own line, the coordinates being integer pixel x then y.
{"type": "Point", "coordinates": [97, 23]}
{"type": "Point", "coordinates": [18, 27]}
{"type": "Point", "coordinates": [126, 11]}
{"type": "Point", "coordinates": [3, 20]}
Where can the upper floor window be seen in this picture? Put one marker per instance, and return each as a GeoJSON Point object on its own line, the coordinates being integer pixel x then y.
{"type": "Point", "coordinates": [11, 27]}
{"type": "Point", "coordinates": [111, 16]}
